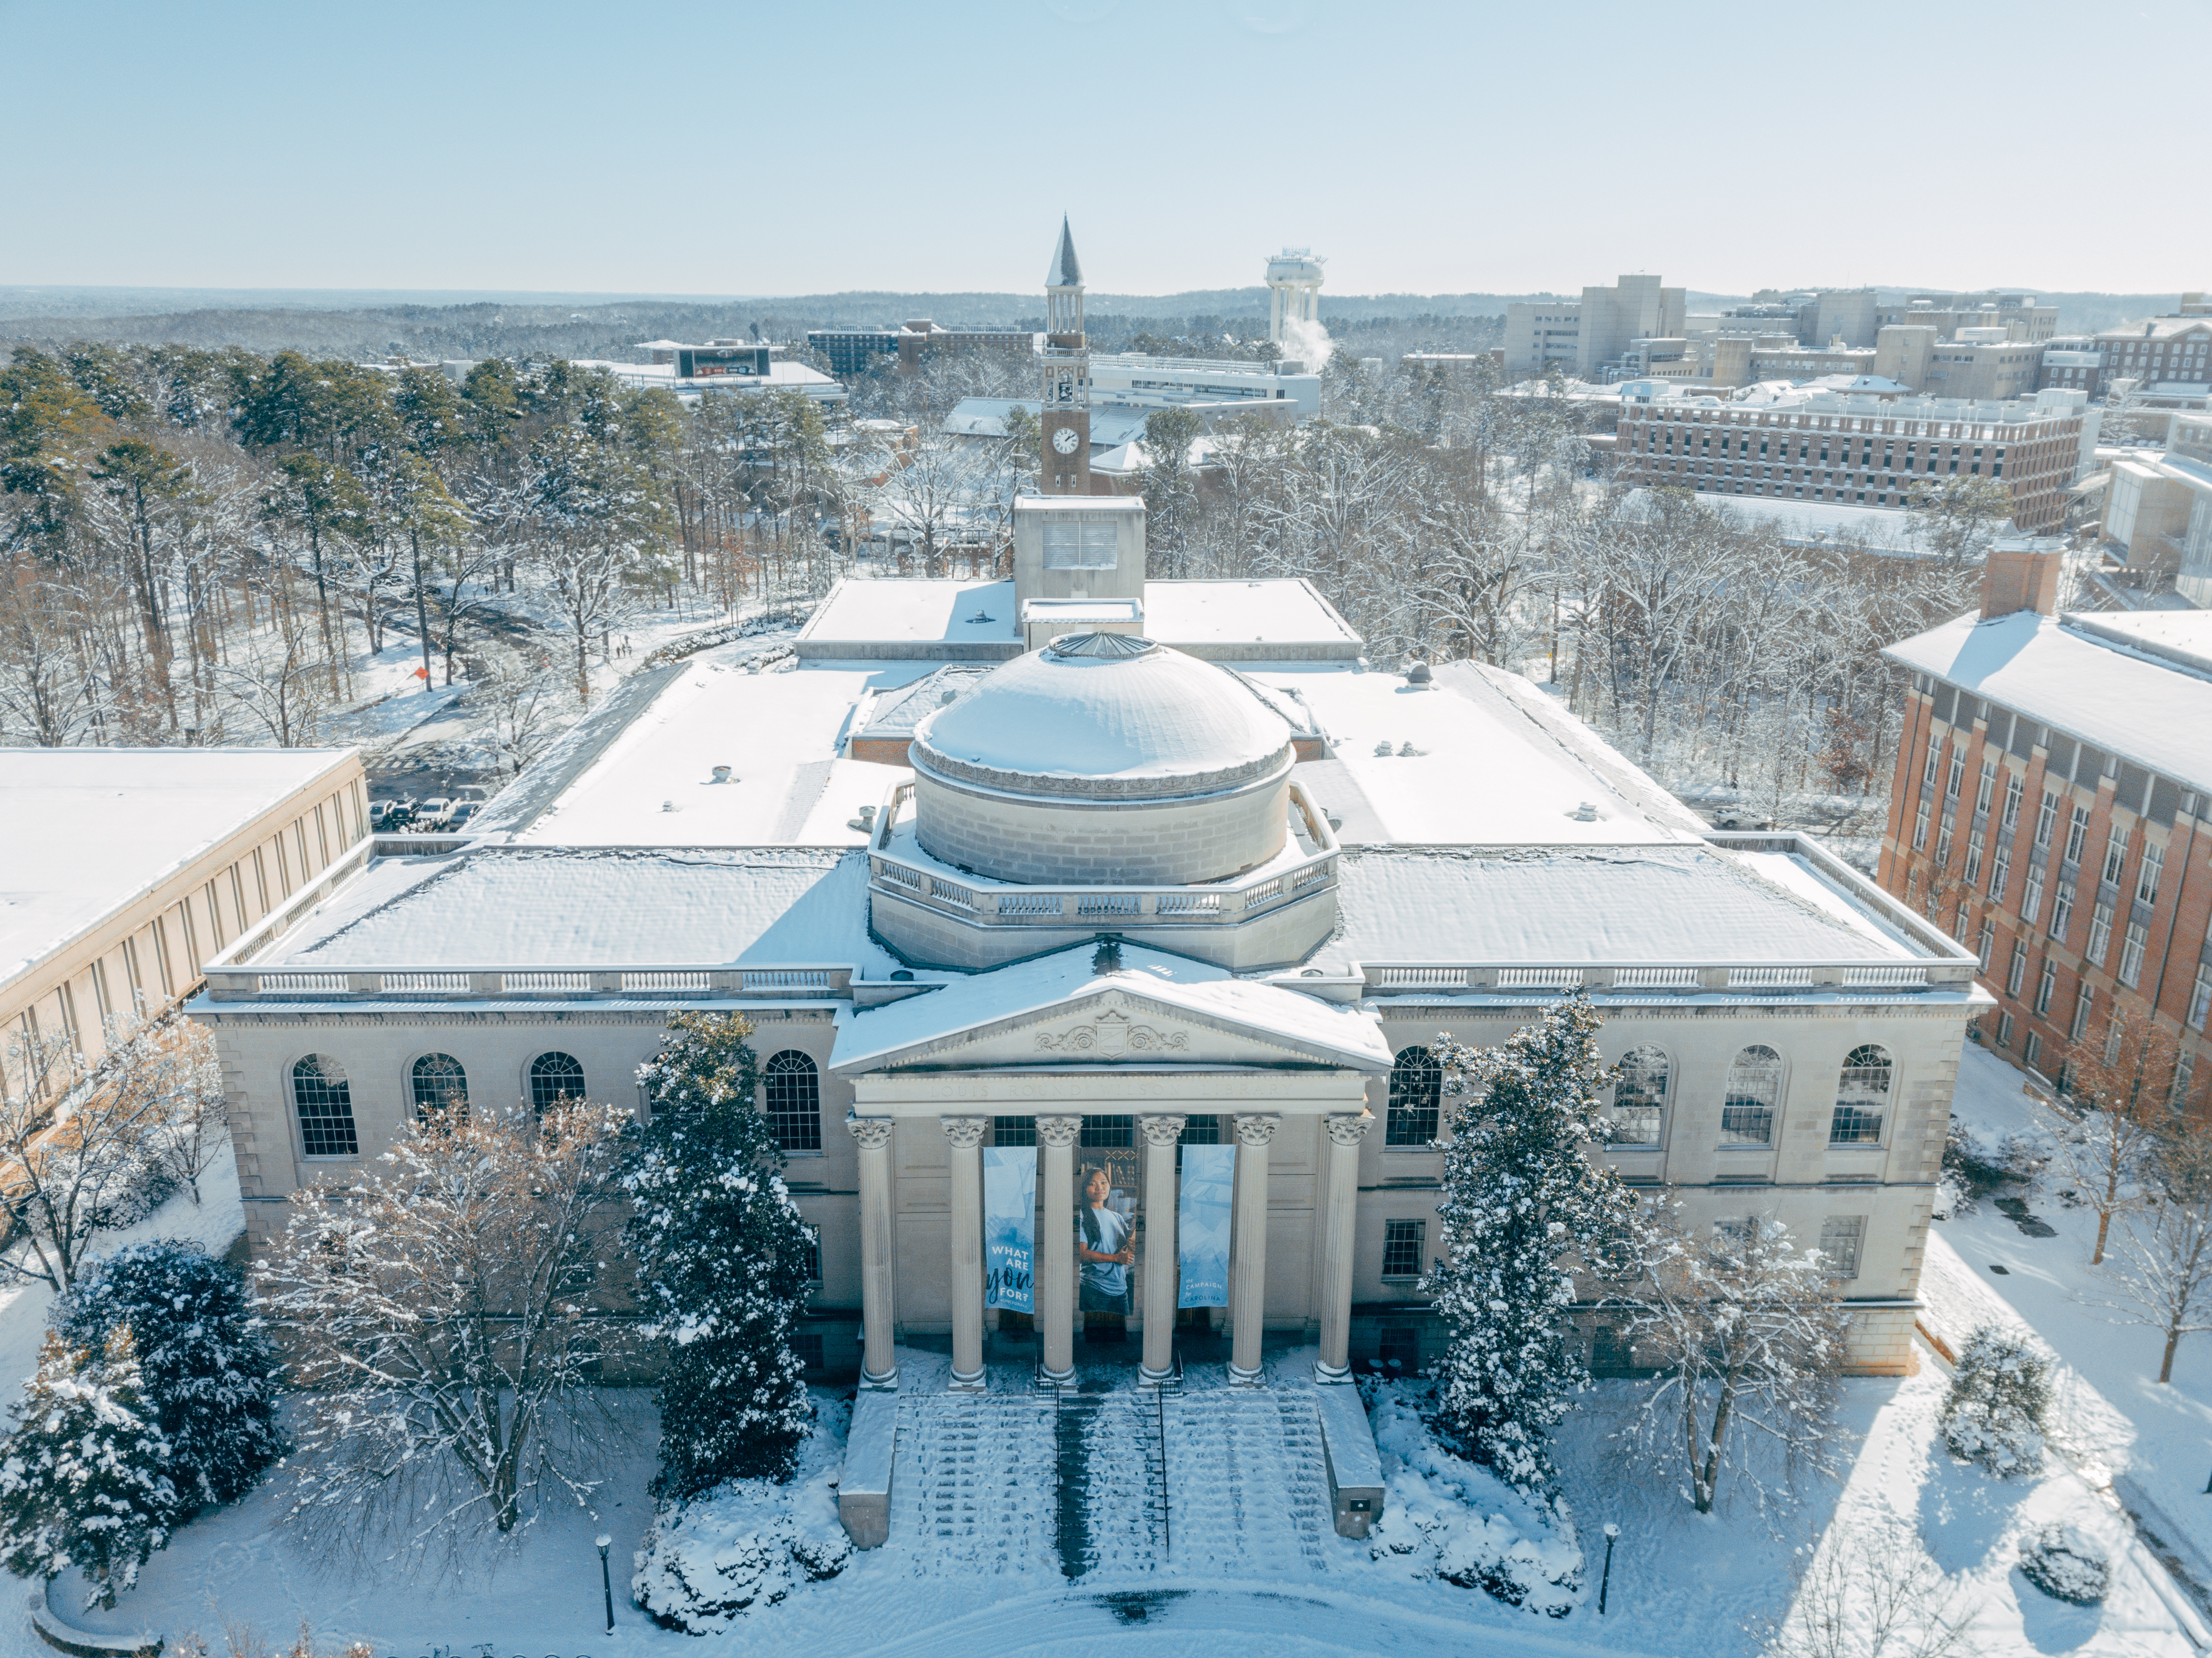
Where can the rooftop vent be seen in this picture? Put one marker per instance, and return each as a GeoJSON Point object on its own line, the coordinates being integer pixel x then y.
{"type": "Point", "coordinates": [1100, 647]}
{"type": "Point", "coordinates": [721, 774]}
{"type": "Point", "coordinates": [1417, 677]}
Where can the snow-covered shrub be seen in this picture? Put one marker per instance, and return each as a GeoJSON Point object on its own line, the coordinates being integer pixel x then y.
{"type": "Point", "coordinates": [210, 1375]}
{"type": "Point", "coordinates": [82, 1477]}
{"type": "Point", "coordinates": [1445, 1517]}
{"type": "Point", "coordinates": [1952, 1197]}
{"type": "Point", "coordinates": [744, 1544]}
{"type": "Point", "coordinates": [2067, 1564]}
{"type": "Point", "coordinates": [1994, 1413]}
{"type": "Point", "coordinates": [1981, 1159]}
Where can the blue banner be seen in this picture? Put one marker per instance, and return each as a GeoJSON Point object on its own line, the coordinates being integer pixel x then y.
{"type": "Point", "coordinates": [1202, 1216]}
{"type": "Point", "coordinates": [1010, 1227]}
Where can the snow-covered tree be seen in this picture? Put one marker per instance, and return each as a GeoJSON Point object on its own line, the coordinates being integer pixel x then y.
{"type": "Point", "coordinates": [209, 1372]}
{"type": "Point", "coordinates": [83, 1477]}
{"type": "Point", "coordinates": [2106, 1136]}
{"type": "Point", "coordinates": [1999, 1394]}
{"type": "Point", "coordinates": [1523, 1204]}
{"type": "Point", "coordinates": [2164, 1269]}
{"type": "Point", "coordinates": [722, 1262]}
{"type": "Point", "coordinates": [445, 1326]}
{"type": "Point", "coordinates": [1748, 1340]}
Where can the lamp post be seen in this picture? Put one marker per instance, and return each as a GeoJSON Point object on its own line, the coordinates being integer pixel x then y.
{"type": "Point", "coordinates": [607, 1582]}
{"type": "Point", "coordinates": [1604, 1582]}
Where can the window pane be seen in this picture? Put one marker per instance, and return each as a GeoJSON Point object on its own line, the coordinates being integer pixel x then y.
{"type": "Point", "coordinates": [793, 1091]}
{"type": "Point", "coordinates": [1416, 1098]}
{"type": "Point", "coordinates": [325, 1101]}
{"type": "Point", "coordinates": [1841, 1239]}
{"type": "Point", "coordinates": [1014, 1131]}
{"type": "Point", "coordinates": [1754, 1084]}
{"type": "Point", "coordinates": [1401, 1248]}
{"type": "Point", "coordinates": [554, 1079]}
{"type": "Point", "coordinates": [440, 1085]}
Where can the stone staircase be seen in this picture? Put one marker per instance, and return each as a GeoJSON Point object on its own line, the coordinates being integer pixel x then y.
{"type": "Point", "coordinates": [1248, 1487]}
{"type": "Point", "coordinates": [976, 1483]}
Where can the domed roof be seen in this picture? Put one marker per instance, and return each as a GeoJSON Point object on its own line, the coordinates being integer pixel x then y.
{"type": "Point", "coordinates": [1122, 715]}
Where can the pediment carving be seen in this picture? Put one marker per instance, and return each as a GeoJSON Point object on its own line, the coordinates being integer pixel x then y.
{"type": "Point", "coordinates": [1113, 1035]}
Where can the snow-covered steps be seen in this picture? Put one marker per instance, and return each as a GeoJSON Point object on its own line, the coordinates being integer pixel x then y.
{"type": "Point", "coordinates": [1113, 1509]}
{"type": "Point", "coordinates": [976, 1483]}
{"type": "Point", "coordinates": [1248, 1490]}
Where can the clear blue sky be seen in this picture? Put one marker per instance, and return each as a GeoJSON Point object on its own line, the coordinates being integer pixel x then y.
{"type": "Point", "coordinates": [811, 146]}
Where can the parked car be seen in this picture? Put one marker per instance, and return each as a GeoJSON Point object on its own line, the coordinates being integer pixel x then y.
{"type": "Point", "coordinates": [436, 814]}
{"type": "Point", "coordinates": [1740, 817]}
{"type": "Point", "coordinates": [463, 811]}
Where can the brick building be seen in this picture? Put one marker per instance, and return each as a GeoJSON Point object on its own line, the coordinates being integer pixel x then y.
{"type": "Point", "coordinates": [2050, 812]}
{"type": "Point", "coordinates": [1862, 451]}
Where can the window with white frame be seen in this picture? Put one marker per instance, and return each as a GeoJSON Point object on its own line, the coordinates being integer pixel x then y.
{"type": "Point", "coordinates": [2085, 1002]}
{"type": "Point", "coordinates": [2077, 831]}
{"type": "Point", "coordinates": [2030, 902]}
{"type": "Point", "coordinates": [1640, 1096]}
{"type": "Point", "coordinates": [1862, 1096]}
{"type": "Point", "coordinates": [324, 1099]}
{"type": "Point", "coordinates": [1987, 787]}
{"type": "Point", "coordinates": [2200, 996]}
{"type": "Point", "coordinates": [1920, 827]}
{"type": "Point", "coordinates": [2146, 879]}
{"type": "Point", "coordinates": [2100, 933]}
{"type": "Point", "coordinates": [1402, 1249]}
{"type": "Point", "coordinates": [1417, 1086]}
{"type": "Point", "coordinates": [2016, 973]}
{"type": "Point", "coordinates": [2012, 800]}
{"type": "Point", "coordinates": [1842, 1239]}
{"type": "Point", "coordinates": [2132, 949]}
{"type": "Point", "coordinates": [440, 1087]}
{"type": "Point", "coordinates": [1078, 547]}
{"type": "Point", "coordinates": [2115, 854]}
{"type": "Point", "coordinates": [2046, 818]}
{"type": "Point", "coordinates": [2000, 872]}
{"type": "Point", "coordinates": [1989, 942]}
{"type": "Point", "coordinates": [1753, 1092]}
{"type": "Point", "coordinates": [2062, 910]}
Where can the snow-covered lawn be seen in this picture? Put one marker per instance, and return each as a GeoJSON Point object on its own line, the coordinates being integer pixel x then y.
{"type": "Point", "coordinates": [2116, 1422]}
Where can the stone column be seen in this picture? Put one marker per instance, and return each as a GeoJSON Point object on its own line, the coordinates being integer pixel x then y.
{"type": "Point", "coordinates": [1337, 1241]}
{"type": "Point", "coordinates": [877, 1367]}
{"type": "Point", "coordinates": [966, 1138]}
{"type": "Point", "coordinates": [1249, 1274]}
{"type": "Point", "coordinates": [1055, 1276]}
{"type": "Point", "coordinates": [1160, 1134]}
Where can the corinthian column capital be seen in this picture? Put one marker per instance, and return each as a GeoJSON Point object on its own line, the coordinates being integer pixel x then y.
{"type": "Point", "coordinates": [873, 1132]}
{"type": "Point", "coordinates": [1161, 1131]}
{"type": "Point", "coordinates": [966, 1133]}
{"type": "Point", "coordinates": [1257, 1128]}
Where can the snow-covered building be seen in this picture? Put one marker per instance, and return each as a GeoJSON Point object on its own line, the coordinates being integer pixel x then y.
{"type": "Point", "coordinates": [128, 867]}
{"type": "Point", "coordinates": [1193, 874]}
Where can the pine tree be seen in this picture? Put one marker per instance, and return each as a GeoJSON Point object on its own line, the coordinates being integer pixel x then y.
{"type": "Point", "coordinates": [209, 1371]}
{"type": "Point", "coordinates": [1999, 1395]}
{"type": "Point", "coordinates": [722, 1257]}
{"type": "Point", "coordinates": [1521, 1202]}
{"type": "Point", "coordinates": [81, 1477]}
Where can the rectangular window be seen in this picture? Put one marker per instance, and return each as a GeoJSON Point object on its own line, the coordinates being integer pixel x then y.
{"type": "Point", "coordinates": [2115, 854]}
{"type": "Point", "coordinates": [2153, 867]}
{"type": "Point", "coordinates": [1988, 942]}
{"type": "Point", "coordinates": [1842, 1236]}
{"type": "Point", "coordinates": [812, 1254]}
{"type": "Point", "coordinates": [1401, 1248]}
{"type": "Point", "coordinates": [1079, 547]}
{"type": "Point", "coordinates": [2100, 933]}
{"type": "Point", "coordinates": [1987, 788]}
{"type": "Point", "coordinates": [1920, 827]}
{"type": "Point", "coordinates": [1944, 846]}
{"type": "Point", "coordinates": [2046, 818]}
{"type": "Point", "coordinates": [2185, 1067]}
{"type": "Point", "coordinates": [2200, 996]}
{"type": "Point", "coordinates": [2062, 910]}
{"type": "Point", "coordinates": [2131, 953]}
{"type": "Point", "coordinates": [2032, 1049]}
{"type": "Point", "coordinates": [2005, 1031]}
{"type": "Point", "coordinates": [2012, 800]}
{"type": "Point", "coordinates": [2046, 986]}
{"type": "Point", "coordinates": [2085, 1002]}
{"type": "Point", "coordinates": [1934, 760]}
{"type": "Point", "coordinates": [1957, 776]}
{"type": "Point", "coordinates": [2000, 872]}
{"type": "Point", "coordinates": [2016, 973]}
{"type": "Point", "coordinates": [2031, 903]}
{"type": "Point", "coordinates": [1974, 861]}
{"type": "Point", "coordinates": [1855, 1125]}
{"type": "Point", "coordinates": [2077, 831]}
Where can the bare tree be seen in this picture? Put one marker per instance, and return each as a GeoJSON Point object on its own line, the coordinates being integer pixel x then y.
{"type": "Point", "coordinates": [1869, 1590]}
{"type": "Point", "coordinates": [2115, 1091]}
{"type": "Point", "coordinates": [444, 1308]}
{"type": "Point", "coordinates": [92, 1142]}
{"type": "Point", "coordinates": [518, 703]}
{"type": "Point", "coordinates": [1957, 518]}
{"type": "Point", "coordinates": [1748, 1340]}
{"type": "Point", "coordinates": [2164, 1269]}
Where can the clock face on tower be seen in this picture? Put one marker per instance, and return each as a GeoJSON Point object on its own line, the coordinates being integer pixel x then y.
{"type": "Point", "coordinates": [1065, 440]}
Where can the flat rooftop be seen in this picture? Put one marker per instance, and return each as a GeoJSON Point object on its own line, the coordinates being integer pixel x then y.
{"type": "Point", "coordinates": [1285, 618]}
{"type": "Point", "coordinates": [87, 830]}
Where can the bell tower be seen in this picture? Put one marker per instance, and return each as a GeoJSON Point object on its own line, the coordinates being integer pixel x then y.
{"type": "Point", "coordinates": [1066, 416]}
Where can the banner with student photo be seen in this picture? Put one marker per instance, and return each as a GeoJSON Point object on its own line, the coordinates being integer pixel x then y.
{"type": "Point", "coordinates": [1202, 1217]}
{"type": "Point", "coordinates": [1010, 1227]}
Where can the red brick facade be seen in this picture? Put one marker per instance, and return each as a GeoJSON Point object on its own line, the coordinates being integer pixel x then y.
{"type": "Point", "coordinates": [2005, 832]}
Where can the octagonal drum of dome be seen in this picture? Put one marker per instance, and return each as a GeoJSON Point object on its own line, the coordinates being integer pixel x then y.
{"type": "Point", "coordinates": [1102, 760]}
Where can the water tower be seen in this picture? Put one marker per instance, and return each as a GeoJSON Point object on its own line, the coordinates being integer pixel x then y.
{"type": "Point", "coordinates": [1293, 290]}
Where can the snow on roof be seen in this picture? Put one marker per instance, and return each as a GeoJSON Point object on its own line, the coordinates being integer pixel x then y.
{"type": "Point", "coordinates": [2060, 673]}
{"type": "Point", "coordinates": [861, 613]}
{"type": "Point", "coordinates": [1617, 905]}
{"type": "Point", "coordinates": [2183, 637]}
{"type": "Point", "coordinates": [1804, 521]}
{"type": "Point", "coordinates": [1111, 424]}
{"type": "Point", "coordinates": [86, 831]}
{"type": "Point", "coordinates": [1496, 764]}
{"type": "Point", "coordinates": [1068, 712]}
{"type": "Point", "coordinates": [781, 734]}
{"type": "Point", "coordinates": [1281, 611]}
{"type": "Point", "coordinates": [1333, 1034]}
{"type": "Point", "coordinates": [608, 906]}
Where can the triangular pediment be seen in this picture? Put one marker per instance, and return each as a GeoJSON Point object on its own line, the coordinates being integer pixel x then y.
{"type": "Point", "coordinates": [1159, 1011]}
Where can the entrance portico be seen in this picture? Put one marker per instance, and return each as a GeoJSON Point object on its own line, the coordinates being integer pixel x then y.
{"type": "Point", "coordinates": [1147, 1049]}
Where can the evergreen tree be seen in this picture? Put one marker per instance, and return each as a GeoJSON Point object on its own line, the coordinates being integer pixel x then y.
{"type": "Point", "coordinates": [81, 1477]}
{"type": "Point", "coordinates": [1520, 1198]}
{"type": "Point", "coordinates": [722, 1259]}
{"type": "Point", "coordinates": [1999, 1396]}
{"type": "Point", "coordinates": [210, 1375]}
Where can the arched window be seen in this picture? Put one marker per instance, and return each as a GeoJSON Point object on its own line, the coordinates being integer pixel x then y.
{"type": "Point", "coordinates": [1861, 1097]}
{"type": "Point", "coordinates": [793, 1089]}
{"type": "Point", "coordinates": [1640, 1096]}
{"type": "Point", "coordinates": [325, 1102]}
{"type": "Point", "coordinates": [555, 1079]}
{"type": "Point", "coordinates": [1755, 1086]}
{"type": "Point", "coordinates": [1417, 1088]}
{"type": "Point", "coordinates": [440, 1085]}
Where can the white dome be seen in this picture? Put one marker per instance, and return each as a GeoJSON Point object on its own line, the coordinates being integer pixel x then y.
{"type": "Point", "coordinates": [1105, 708]}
